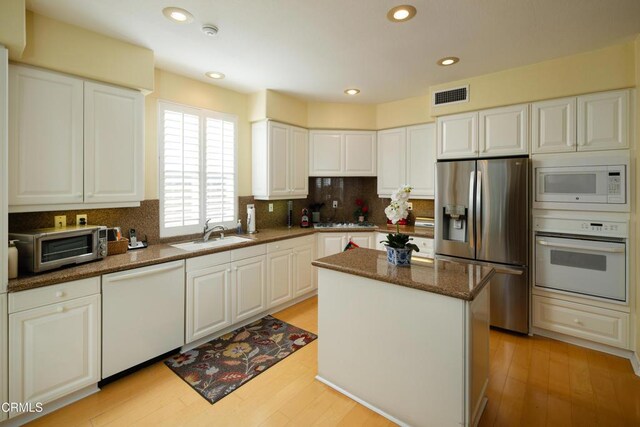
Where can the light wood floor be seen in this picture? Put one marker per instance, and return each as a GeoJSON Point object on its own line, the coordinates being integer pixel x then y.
{"type": "Point", "coordinates": [534, 381]}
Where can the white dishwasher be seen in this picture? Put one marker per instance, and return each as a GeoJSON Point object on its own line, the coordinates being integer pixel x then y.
{"type": "Point", "coordinates": [142, 315]}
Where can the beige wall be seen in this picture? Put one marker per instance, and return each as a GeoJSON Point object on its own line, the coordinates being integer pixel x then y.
{"type": "Point", "coordinates": [333, 115]}
{"type": "Point", "coordinates": [258, 106]}
{"type": "Point", "coordinates": [285, 108]}
{"type": "Point", "coordinates": [62, 47]}
{"type": "Point", "coordinates": [599, 70]}
{"type": "Point", "coordinates": [13, 33]}
{"type": "Point", "coordinates": [410, 111]}
{"type": "Point", "coordinates": [183, 90]}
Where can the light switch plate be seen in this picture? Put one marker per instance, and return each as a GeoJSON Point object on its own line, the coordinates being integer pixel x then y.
{"type": "Point", "coordinates": [270, 207]}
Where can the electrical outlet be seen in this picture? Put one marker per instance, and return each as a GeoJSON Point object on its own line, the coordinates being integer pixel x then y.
{"type": "Point", "coordinates": [81, 219]}
{"type": "Point", "coordinates": [410, 206]}
{"type": "Point", "coordinates": [270, 207]}
{"type": "Point", "coordinates": [335, 204]}
{"type": "Point", "coordinates": [60, 221]}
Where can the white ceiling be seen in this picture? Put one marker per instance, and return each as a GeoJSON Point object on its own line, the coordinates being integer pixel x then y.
{"type": "Point", "coordinates": [314, 49]}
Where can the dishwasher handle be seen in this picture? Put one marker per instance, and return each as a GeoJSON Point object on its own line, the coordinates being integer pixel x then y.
{"type": "Point", "coordinates": [578, 247]}
{"type": "Point", "coordinates": [169, 267]}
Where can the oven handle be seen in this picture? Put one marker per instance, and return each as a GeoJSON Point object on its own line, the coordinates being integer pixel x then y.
{"type": "Point", "coordinates": [584, 248]}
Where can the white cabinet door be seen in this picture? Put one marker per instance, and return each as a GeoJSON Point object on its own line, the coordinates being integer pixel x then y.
{"type": "Point", "coordinates": [302, 270]}
{"type": "Point", "coordinates": [421, 160]}
{"type": "Point", "coordinates": [45, 138]}
{"type": "Point", "coordinates": [553, 126]}
{"type": "Point", "coordinates": [299, 154]}
{"type": "Point", "coordinates": [364, 240]}
{"type": "Point", "coordinates": [208, 301]}
{"type": "Point", "coordinates": [280, 283]}
{"type": "Point", "coordinates": [249, 287]}
{"type": "Point", "coordinates": [425, 245]}
{"type": "Point", "coordinates": [278, 163]}
{"type": "Point", "coordinates": [603, 121]}
{"type": "Point", "coordinates": [504, 131]}
{"type": "Point", "coordinates": [392, 151]}
{"type": "Point", "coordinates": [4, 372]}
{"type": "Point", "coordinates": [359, 154]}
{"type": "Point", "coordinates": [113, 144]}
{"type": "Point", "coordinates": [55, 350]}
{"type": "Point", "coordinates": [331, 243]}
{"type": "Point", "coordinates": [458, 136]}
{"type": "Point", "coordinates": [325, 154]}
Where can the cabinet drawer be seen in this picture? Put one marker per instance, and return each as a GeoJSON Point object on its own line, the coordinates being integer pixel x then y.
{"type": "Point", "coordinates": [425, 245]}
{"type": "Point", "coordinates": [206, 261]}
{"type": "Point", "coordinates": [582, 321]}
{"type": "Point", "coordinates": [33, 298]}
{"type": "Point", "coordinates": [281, 245]}
{"type": "Point", "coordinates": [250, 252]}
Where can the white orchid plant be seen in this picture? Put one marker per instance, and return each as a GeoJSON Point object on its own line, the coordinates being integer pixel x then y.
{"type": "Point", "coordinates": [399, 209]}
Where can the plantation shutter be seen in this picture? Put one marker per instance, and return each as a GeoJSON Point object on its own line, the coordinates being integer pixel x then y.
{"type": "Point", "coordinates": [181, 169]}
{"type": "Point", "coordinates": [220, 170]}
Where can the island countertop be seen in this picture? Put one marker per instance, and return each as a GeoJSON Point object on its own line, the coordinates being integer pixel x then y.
{"type": "Point", "coordinates": [455, 279]}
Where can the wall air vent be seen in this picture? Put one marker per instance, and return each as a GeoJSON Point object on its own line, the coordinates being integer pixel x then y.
{"type": "Point", "coordinates": [451, 96]}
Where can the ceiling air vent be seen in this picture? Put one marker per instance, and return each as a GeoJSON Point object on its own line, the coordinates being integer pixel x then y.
{"type": "Point", "coordinates": [451, 96]}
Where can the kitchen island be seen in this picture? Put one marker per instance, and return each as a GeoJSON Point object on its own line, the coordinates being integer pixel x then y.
{"type": "Point", "coordinates": [411, 343]}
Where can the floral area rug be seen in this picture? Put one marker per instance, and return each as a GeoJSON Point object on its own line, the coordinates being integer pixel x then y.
{"type": "Point", "coordinates": [218, 367]}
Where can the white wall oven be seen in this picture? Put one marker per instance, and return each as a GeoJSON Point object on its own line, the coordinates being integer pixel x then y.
{"type": "Point", "coordinates": [583, 257]}
{"type": "Point", "coordinates": [582, 182]}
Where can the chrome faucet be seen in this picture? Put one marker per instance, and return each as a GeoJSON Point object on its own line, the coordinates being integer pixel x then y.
{"type": "Point", "coordinates": [206, 233]}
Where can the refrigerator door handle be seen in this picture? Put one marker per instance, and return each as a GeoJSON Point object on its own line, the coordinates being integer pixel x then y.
{"type": "Point", "coordinates": [478, 214]}
{"type": "Point", "coordinates": [471, 215]}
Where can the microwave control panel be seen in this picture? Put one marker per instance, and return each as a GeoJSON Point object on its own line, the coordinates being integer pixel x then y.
{"type": "Point", "coordinates": [615, 184]}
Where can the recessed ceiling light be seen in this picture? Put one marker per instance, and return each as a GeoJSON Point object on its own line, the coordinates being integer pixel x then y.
{"type": "Point", "coordinates": [352, 91]}
{"type": "Point", "coordinates": [449, 60]}
{"type": "Point", "coordinates": [401, 13]}
{"type": "Point", "coordinates": [178, 15]}
{"type": "Point", "coordinates": [214, 75]}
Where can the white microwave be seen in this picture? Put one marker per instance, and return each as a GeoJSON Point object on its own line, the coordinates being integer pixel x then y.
{"type": "Point", "coordinates": [582, 183]}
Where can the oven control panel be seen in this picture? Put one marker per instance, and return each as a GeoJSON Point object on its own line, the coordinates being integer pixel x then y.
{"type": "Point", "coordinates": [581, 226]}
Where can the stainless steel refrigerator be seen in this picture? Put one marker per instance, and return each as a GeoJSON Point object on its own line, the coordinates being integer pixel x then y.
{"type": "Point", "coordinates": [482, 214]}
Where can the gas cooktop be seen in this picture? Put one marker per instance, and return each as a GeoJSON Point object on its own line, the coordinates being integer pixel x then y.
{"type": "Point", "coordinates": [344, 225]}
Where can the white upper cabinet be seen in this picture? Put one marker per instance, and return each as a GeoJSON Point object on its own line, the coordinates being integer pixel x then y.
{"type": "Point", "coordinates": [392, 155]}
{"type": "Point", "coordinates": [73, 142]}
{"type": "Point", "coordinates": [603, 121]}
{"type": "Point", "coordinates": [359, 154]}
{"type": "Point", "coordinates": [553, 126]}
{"type": "Point", "coordinates": [280, 161]}
{"type": "Point", "coordinates": [113, 144]}
{"type": "Point", "coordinates": [504, 131]}
{"type": "Point", "coordinates": [407, 156]}
{"type": "Point", "coordinates": [342, 153]}
{"type": "Point", "coordinates": [421, 160]}
{"type": "Point", "coordinates": [458, 136]}
{"type": "Point", "coordinates": [45, 137]}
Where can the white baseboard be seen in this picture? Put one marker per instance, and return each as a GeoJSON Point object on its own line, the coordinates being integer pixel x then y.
{"type": "Point", "coordinates": [51, 407]}
{"type": "Point", "coordinates": [362, 402]}
{"type": "Point", "coordinates": [620, 352]}
{"type": "Point", "coordinates": [251, 319]}
{"type": "Point", "coordinates": [635, 362]}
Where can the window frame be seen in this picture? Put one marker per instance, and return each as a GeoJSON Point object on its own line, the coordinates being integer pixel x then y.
{"type": "Point", "coordinates": [202, 114]}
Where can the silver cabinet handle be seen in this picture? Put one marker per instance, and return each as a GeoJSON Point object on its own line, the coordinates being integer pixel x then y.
{"type": "Point", "coordinates": [582, 248]}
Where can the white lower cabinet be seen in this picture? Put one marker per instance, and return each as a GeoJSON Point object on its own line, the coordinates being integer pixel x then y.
{"type": "Point", "coordinates": [54, 347]}
{"type": "Point", "coordinates": [249, 286]}
{"type": "Point", "coordinates": [303, 278]}
{"type": "Point", "coordinates": [208, 301]}
{"type": "Point", "coordinates": [280, 268]}
{"type": "Point", "coordinates": [289, 269]}
{"type": "Point", "coordinates": [334, 242]}
{"type": "Point", "coordinates": [582, 321]}
{"type": "Point", "coordinates": [4, 383]}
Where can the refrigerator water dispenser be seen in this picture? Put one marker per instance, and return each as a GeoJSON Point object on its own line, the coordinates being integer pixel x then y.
{"type": "Point", "coordinates": [455, 223]}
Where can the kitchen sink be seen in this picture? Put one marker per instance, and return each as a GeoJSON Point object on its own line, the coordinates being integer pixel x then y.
{"type": "Point", "coordinates": [199, 245]}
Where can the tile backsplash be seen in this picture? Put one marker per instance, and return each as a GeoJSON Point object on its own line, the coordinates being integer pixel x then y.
{"type": "Point", "coordinates": [145, 219]}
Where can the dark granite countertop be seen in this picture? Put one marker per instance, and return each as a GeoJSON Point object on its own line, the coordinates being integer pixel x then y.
{"type": "Point", "coordinates": [156, 254]}
{"type": "Point", "coordinates": [451, 278]}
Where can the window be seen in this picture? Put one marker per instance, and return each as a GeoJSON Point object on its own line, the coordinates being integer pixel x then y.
{"type": "Point", "coordinates": [197, 151]}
